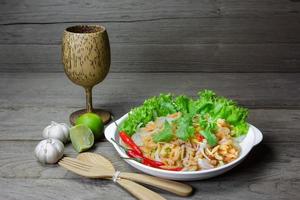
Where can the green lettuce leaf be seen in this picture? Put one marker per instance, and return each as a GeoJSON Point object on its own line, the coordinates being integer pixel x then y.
{"type": "Point", "coordinates": [156, 106]}
{"type": "Point", "coordinates": [240, 129]}
{"type": "Point", "coordinates": [220, 107]}
{"type": "Point", "coordinates": [182, 103]}
{"type": "Point", "coordinates": [208, 104]}
{"type": "Point", "coordinates": [165, 105]}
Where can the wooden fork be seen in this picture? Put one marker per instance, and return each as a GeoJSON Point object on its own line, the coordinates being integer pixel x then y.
{"type": "Point", "coordinates": [174, 187]}
{"type": "Point", "coordinates": [90, 171]}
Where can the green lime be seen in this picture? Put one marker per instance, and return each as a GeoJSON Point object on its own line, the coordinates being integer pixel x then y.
{"type": "Point", "coordinates": [82, 137]}
{"type": "Point", "coordinates": [94, 122]}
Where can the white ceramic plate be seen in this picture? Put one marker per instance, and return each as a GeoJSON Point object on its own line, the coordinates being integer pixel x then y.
{"type": "Point", "coordinates": [253, 137]}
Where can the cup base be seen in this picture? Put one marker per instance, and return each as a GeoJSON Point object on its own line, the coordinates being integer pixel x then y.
{"type": "Point", "coordinates": [105, 115]}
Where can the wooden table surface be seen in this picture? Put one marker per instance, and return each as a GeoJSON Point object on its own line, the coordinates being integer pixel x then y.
{"type": "Point", "coordinates": [245, 50]}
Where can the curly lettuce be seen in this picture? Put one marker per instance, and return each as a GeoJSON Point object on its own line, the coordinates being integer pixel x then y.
{"type": "Point", "coordinates": [156, 106]}
{"type": "Point", "coordinates": [220, 107]}
{"type": "Point", "coordinates": [208, 104]}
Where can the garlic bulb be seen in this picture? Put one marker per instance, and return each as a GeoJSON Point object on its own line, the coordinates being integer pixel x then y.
{"type": "Point", "coordinates": [58, 131]}
{"type": "Point", "coordinates": [49, 151]}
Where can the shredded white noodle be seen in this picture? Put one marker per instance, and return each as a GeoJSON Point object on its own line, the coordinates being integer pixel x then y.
{"type": "Point", "coordinates": [191, 155]}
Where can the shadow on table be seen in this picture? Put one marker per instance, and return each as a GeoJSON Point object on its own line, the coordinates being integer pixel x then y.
{"type": "Point", "coordinates": [255, 163]}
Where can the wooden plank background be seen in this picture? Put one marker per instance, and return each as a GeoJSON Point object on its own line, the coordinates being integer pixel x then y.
{"type": "Point", "coordinates": [246, 50]}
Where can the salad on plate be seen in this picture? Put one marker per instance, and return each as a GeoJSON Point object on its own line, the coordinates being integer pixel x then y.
{"type": "Point", "coordinates": [179, 133]}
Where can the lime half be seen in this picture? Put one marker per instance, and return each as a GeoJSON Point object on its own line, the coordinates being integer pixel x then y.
{"type": "Point", "coordinates": [94, 122]}
{"type": "Point", "coordinates": [82, 137]}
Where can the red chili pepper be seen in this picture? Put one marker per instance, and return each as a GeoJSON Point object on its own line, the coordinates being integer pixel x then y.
{"type": "Point", "coordinates": [129, 152]}
{"type": "Point", "coordinates": [140, 158]}
{"type": "Point", "coordinates": [138, 155]}
{"type": "Point", "coordinates": [153, 163]}
{"type": "Point", "coordinates": [199, 137]}
{"type": "Point", "coordinates": [127, 140]}
{"type": "Point", "coordinates": [144, 160]}
{"type": "Point", "coordinates": [133, 154]}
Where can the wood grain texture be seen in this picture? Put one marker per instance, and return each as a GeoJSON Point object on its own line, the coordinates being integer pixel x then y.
{"type": "Point", "coordinates": [168, 31]}
{"type": "Point", "coordinates": [273, 122]}
{"type": "Point", "coordinates": [163, 58]}
{"type": "Point", "coordinates": [60, 188]}
{"type": "Point", "coordinates": [86, 55]}
{"type": "Point", "coordinates": [254, 90]}
{"type": "Point", "coordinates": [205, 44]}
{"type": "Point", "coordinates": [34, 11]}
{"type": "Point", "coordinates": [95, 189]}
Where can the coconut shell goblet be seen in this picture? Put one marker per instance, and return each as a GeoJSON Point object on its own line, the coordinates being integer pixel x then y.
{"type": "Point", "coordinates": [86, 59]}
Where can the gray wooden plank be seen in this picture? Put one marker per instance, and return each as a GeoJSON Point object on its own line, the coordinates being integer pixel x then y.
{"type": "Point", "coordinates": [168, 67]}
{"type": "Point", "coordinates": [163, 58]}
{"type": "Point", "coordinates": [264, 163]}
{"type": "Point", "coordinates": [254, 90]}
{"type": "Point", "coordinates": [169, 31]}
{"type": "Point", "coordinates": [27, 122]}
{"type": "Point", "coordinates": [18, 161]}
{"type": "Point", "coordinates": [31, 189]}
{"type": "Point", "coordinates": [26, 189]}
{"type": "Point", "coordinates": [30, 11]}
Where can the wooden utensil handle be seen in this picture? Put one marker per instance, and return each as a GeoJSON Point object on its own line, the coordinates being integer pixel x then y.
{"type": "Point", "coordinates": [139, 191]}
{"type": "Point", "coordinates": [171, 186]}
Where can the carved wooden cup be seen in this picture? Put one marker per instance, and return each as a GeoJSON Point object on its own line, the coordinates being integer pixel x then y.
{"type": "Point", "coordinates": [86, 59]}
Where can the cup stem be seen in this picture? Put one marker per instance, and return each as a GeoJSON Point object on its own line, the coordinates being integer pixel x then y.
{"type": "Point", "coordinates": [89, 103]}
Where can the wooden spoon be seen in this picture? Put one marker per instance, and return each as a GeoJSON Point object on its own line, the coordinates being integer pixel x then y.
{"type": "Point", "coordinates": [170, 186]}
